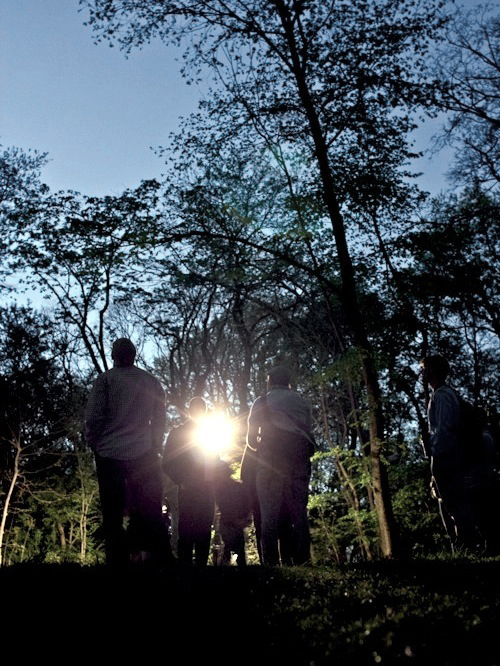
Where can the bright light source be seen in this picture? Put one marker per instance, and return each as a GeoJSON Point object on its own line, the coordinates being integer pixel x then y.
{"type": "Point", "coordinates": [215, 433]}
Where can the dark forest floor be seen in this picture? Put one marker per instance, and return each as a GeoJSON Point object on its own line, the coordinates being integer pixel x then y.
{"type": "Point", "coordinates": [421, 612]}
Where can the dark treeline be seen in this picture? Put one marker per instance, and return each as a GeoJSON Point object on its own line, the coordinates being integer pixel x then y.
{"type": "Point", "coordinates": [288, 229]}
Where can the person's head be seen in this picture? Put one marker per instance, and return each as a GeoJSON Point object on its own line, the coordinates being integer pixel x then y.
{"type": "Point", "coordinates": [435, 370]}
{"type": "Point", "coordinates": [279, 376]}
{"type": "Point", "coordinates": [123, 352]}
{"type": "Point", "coordinates": [197, 408]}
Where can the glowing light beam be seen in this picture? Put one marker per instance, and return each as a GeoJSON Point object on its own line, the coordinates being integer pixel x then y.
{"type": "Point", "coordinates": [215, 433]}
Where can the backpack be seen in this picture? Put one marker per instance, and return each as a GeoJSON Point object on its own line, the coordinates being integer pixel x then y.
{"type": "Point", "coordinates": [475, 436]}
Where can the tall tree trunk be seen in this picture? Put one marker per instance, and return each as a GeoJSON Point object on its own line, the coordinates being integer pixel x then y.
{"type": "Point", "coordinates": [350, 304]}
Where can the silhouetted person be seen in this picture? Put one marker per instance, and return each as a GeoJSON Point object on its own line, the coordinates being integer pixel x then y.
{"type": "Point", "coordinates": [125, 425]}
{"type": "Point", "coordinates": [249, 479]}
{"type": "Point", "coordinates": [481, 486]}
{"type": "Point", "coordinates": [235, 513]}
{"type": "Point", "coordinates": [446, 455]}
{"type": "Point", "coordinates": [192, 469]}
{"type": "Point", "coordinates": [279, 430]}
{"type": "Point", "coordinates": [286, 536]}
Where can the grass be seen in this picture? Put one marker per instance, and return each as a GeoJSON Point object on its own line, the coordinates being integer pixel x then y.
{"type": "Point", "coordinates": [444, 612]}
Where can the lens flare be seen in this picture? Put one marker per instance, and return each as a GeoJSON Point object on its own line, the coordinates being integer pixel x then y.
{"type": "Point", "coordinates": [215, 433]}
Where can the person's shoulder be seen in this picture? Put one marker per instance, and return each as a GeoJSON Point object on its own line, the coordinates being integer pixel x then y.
{"type": "Point", "coordinates": [259, 401]}
{"type": "Point", "coordinates": [446, 393]}
{"type": "Point", "coordinates": [96, 386]}
{"type": "Point", "coordinates": [446, 389]}
{"type": "Point", "coordinates": [148, 376]}
{"type": "Point", "coordinates": [141, 371]}
{"type": "Point", "coordinates": [256, 408]}
{"type": "Point", "coordinates": [295, 395]}
{"type": "Point", "coordinates": [103, 377]}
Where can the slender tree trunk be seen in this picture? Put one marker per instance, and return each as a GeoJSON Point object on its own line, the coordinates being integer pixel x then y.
{"type": "Point", "coordinates": [62, 537]}
{"type": "Point", "coordinates": [83, 530]}
{"type": "Point", "coordinates": [331, 538]}
{"type": "Point", "coordinates": [5, 510]}
{"type": "Point", "coordinates": [348, 488]}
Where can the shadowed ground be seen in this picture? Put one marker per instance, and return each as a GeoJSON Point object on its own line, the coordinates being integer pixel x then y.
{"type": "Point", "coordinates": [426, 612]}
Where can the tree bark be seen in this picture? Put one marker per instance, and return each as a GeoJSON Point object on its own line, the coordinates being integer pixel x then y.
{"type": "Point", "coordinates": [350, 304]}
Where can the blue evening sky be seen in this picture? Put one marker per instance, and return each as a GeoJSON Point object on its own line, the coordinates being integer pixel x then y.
{"type": "Point", "coordinates": [95, 112]}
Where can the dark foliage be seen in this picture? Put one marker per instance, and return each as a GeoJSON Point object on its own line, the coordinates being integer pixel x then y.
{"type": "Point", "coordinates": [441, 612]}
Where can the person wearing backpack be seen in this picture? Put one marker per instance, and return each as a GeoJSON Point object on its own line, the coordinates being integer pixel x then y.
{"type": "Point", "coordinates": [447, 455]}
{"type": "Point", "coordinates": [279, 431]}
{"type": "Point", "coordinates": [480, 473]}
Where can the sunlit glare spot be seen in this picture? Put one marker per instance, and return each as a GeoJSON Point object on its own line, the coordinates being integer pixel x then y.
{"type": "Point", "coordinates": [215, 433]}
